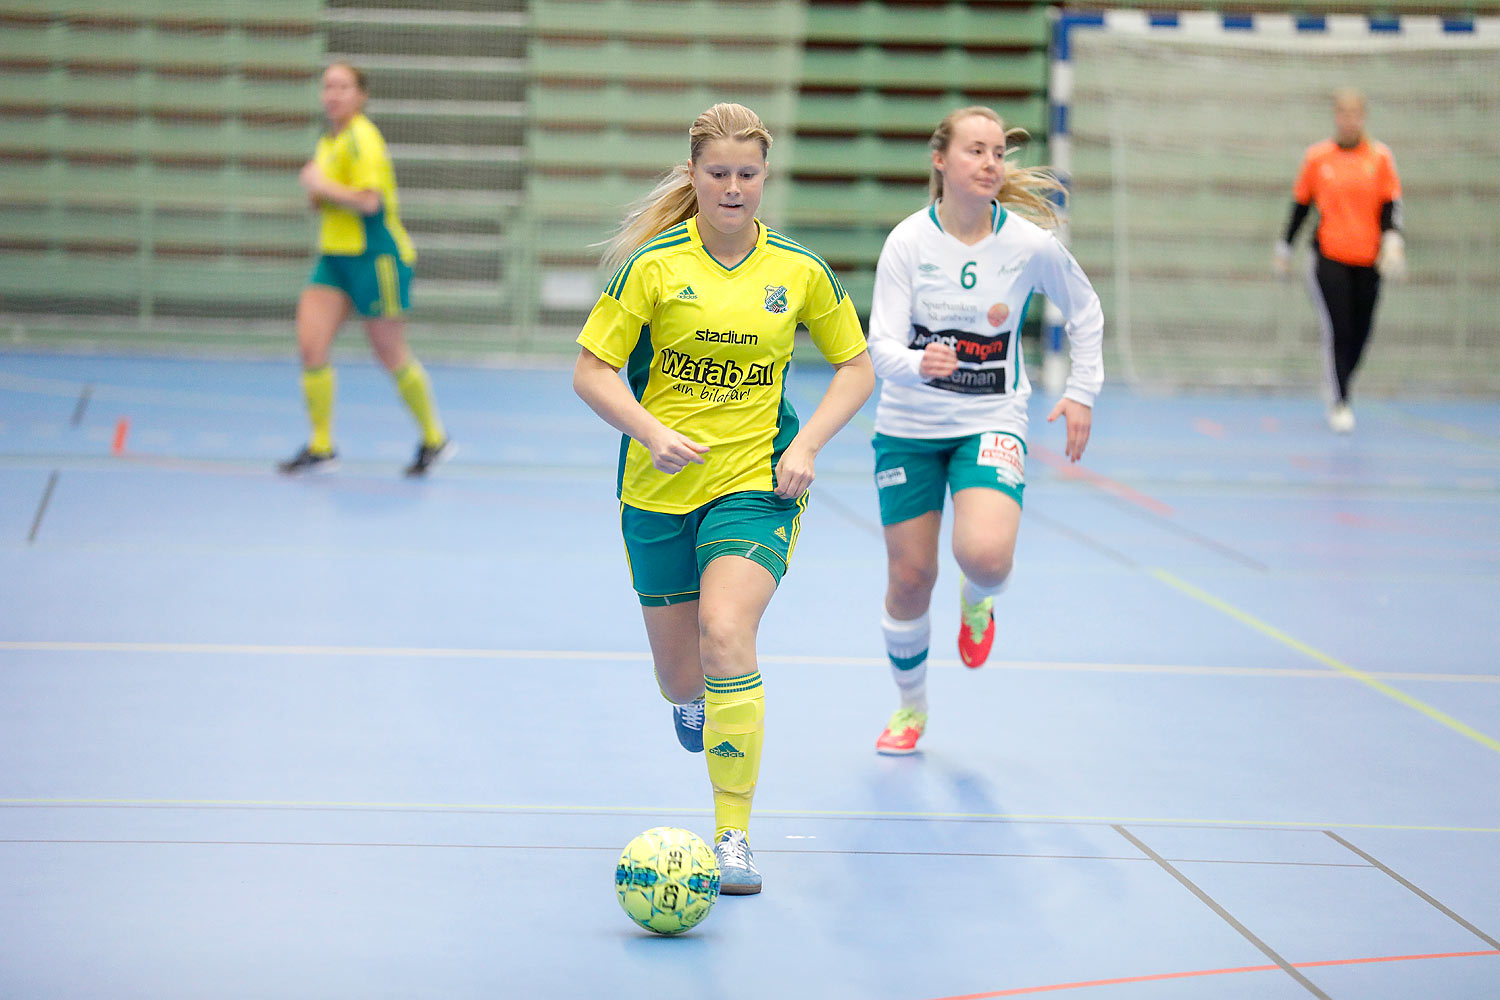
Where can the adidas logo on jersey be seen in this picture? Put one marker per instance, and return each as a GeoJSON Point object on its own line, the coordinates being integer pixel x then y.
{"type": "Point", "coordinates": [725, 749]}
{"type": "Point", "coordinates": [687, 294]}
{"type": "Point", "coordinates": [781, 533]}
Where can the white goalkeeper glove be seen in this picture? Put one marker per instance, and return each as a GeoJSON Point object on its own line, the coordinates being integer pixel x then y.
{"type": "Point", "coordinates": [1281, 259]}
{"type": "Point", "coordinates": [1391, 262]}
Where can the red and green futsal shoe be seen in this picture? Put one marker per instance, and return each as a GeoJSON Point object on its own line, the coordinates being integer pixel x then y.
{"type": "Point", "coordinates": [976, 629]}
{"type": "Point", "coordinates": [901, 734]}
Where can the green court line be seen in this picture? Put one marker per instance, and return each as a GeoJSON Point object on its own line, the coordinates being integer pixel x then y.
{"type": "Point", "coordinates": [1369, 680]}
{"type": "Point", "coordinates": [1440, 428]}
{"type": "Point", "coordinates": [292, 805]}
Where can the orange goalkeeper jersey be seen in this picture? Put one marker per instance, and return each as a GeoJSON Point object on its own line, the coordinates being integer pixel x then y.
{"type": "Point", "coordinates": [1348, 187]}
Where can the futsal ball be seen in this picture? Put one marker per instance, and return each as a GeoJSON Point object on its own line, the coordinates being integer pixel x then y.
{"type": "Point", "coordinates": [667, 880]}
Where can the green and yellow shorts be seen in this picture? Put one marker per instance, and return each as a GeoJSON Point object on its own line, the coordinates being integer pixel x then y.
{"type": "Point", "coordinates": [913, 474]}
{"type": "Point", "coordinates": [668, 552]}
{"type": "Point", "coordinates": [379, 284]}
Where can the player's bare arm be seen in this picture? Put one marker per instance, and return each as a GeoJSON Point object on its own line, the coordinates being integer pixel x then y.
{"type": "Point", "coordinates": [598, 384]}
{"type": "Point", "coordinates": [1078, 418]}
{"type": "Point", "coordinates": [851, 385]}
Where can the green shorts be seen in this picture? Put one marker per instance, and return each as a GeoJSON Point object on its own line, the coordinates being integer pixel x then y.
{"type": "Point", "coordinates": [668, 552]}
{"type": "Point", "coordinates": [912, 474]}
{"type": "Point", "coordinates": [379, 284]}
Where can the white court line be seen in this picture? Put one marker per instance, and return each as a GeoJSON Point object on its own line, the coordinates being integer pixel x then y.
{"type": "Point", "coordinates": [632, 656]}
{"type": "Point", "coordinates": [538, 809]}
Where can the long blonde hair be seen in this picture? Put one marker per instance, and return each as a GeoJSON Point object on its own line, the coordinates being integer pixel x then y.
{"type": "Point", "coordinates": [673, 200]}
{"type": "Point", "coordinates": [1027, 190]}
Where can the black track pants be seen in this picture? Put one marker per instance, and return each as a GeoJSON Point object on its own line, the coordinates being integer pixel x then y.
{"type": "Point", "coordinates": [1344, 295]}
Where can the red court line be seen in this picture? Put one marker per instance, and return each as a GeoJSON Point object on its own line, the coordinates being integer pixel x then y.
{"type": "Point", "coordinates": [1211, 428]}
{"type": "Point", "coordinates": [1055, 987]}
{"type": "Point", "coordinates": [122, 428]}
{"type": "Point", "coordinates": [1070, 470]}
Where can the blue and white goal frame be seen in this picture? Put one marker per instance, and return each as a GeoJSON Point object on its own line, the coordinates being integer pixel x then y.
{"type": "Point", "coordinates": [1201, 24]}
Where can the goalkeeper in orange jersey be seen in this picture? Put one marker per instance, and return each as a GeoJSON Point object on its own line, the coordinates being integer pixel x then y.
{"type": "Point", "coordinates": [1352, 181]}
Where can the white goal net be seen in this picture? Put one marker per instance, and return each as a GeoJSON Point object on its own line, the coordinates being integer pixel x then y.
{"type": "Point", "coordinates": [1183, 139]}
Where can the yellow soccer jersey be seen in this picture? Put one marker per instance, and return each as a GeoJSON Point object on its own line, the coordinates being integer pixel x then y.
{"type": "Point", "coordinates": [356, 158]}
{"type": "Point", "coordinates": [706, 348]}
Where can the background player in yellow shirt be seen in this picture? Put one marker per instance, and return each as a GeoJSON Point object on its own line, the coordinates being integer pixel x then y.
{"type": "Point", "coordinates": [365, 266]}
{"type": "Point", "coordinates": [714, 465]}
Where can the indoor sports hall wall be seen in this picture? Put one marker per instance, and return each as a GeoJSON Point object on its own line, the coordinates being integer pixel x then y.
{"type": "Point", "coordinates": [149, 148]}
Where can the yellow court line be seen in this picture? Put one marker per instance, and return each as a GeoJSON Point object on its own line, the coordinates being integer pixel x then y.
{"type": "Point", "coordinates": [1322, 657]}
{"type": "Point", "coordinates": [870, 814]}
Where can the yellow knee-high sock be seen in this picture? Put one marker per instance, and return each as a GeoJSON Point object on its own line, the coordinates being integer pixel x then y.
{"type": "Point", "coordinates": [733, 731]}
{"type": "Point", "coordinates": [416, 390]}
{"type": "Point", "coordinates": [318, 388]}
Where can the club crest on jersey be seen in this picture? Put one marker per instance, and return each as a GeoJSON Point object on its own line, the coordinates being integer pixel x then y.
{"type": "Point", "coordinates": [776, 299]}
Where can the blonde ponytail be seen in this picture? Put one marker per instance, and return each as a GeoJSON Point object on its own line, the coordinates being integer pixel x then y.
{"type": "Point", "coordinates": [1028, 191]}
{"type": "Point", "coordinates": [673, 199]}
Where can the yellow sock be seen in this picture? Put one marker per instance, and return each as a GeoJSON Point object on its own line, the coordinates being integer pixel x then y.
{"type": "Point", "coordinates": [318, 388]}
{"type": "Point", "coordinates": [733, 731]}
{"type": "Point", "coordinates": [416, 390]}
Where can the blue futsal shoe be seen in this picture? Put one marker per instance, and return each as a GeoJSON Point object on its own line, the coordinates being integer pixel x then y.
{"type": "Point", "coordinates": [688, 721]}
{"type": "Point", "coordinates": [738, 875]}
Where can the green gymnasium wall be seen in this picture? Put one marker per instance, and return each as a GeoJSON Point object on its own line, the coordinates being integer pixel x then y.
{"type": "Point", "coordinates": [149, 149]}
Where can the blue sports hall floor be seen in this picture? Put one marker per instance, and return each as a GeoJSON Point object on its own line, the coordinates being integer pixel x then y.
{"type": "Point", "coordinates": [362, 737]}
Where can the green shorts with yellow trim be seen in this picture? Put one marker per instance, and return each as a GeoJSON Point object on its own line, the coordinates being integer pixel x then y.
{"type": "Point", "coordinates": [668, 552]}
{"type": "Point", "coordinates": [379, 284]}
{"type": "Point", "coordinates": [913, 474]}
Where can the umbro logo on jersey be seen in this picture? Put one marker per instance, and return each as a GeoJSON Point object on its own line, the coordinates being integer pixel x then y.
{"type": "Point", "coordinates": [781, 533]}
{"type": "Point", "coordinates": [687, 294]}
{"type": "Point", "coordinates": [725, 749]}
{"type": "Point", "coordinates": [928, 268]}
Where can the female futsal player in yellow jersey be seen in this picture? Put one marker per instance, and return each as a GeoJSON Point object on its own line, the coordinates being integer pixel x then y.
{"type": "Point", "coordinates": [714, 466]}
{"type": "Point", "coordinates": [365, 265]}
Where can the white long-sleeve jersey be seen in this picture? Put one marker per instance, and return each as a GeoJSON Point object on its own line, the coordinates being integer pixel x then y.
{"type": "Point", "coordinates": [931, 287]}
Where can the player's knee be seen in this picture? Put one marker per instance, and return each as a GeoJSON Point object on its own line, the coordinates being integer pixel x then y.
{"type": "Point", "coordinates": [725, 643]}
{"type": "Point", "coordinates": [988, 568]}
{"type": "Point", "coordinates": [912, 582]}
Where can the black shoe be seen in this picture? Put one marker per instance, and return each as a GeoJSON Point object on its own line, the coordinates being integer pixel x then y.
{"type": "Point", "coordinates": [429, 455]}
{"type": "Point", "coordinates": [307, 460]}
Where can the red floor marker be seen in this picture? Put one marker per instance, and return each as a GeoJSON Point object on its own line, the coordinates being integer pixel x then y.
{"type": "Point", "coordinates": [122, 428]}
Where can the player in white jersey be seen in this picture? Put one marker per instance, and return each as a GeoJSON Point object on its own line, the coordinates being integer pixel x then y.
{"type": "Point", "coordinates": [952, 289]}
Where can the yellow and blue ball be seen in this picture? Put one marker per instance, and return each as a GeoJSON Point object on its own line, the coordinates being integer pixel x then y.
{"type": "Point", "coordinates": [667, 880]}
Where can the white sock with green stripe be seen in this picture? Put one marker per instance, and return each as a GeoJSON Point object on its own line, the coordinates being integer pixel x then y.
{"type": "Point", "coordinates": [906, 644]}
{"type": "Point", "coordinates": [973, 593]}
